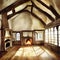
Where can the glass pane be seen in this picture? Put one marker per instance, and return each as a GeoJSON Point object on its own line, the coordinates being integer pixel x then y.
{"type": "Point", "coordinates": [55, 36]}
{"type": "Point", "coordinates": [46, 35]}
{"type": "Point", "coordinates": [59, 35]}
{"type": "Point", "coordinates": [52, 36]}
{"type": "Point", "coordinates": [49, 36]}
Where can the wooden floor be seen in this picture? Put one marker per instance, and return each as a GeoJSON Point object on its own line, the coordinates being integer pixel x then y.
{"type": "Point", "coordinates": [29, 53]}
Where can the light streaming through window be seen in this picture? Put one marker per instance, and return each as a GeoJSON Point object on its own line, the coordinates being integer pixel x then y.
{"type": "Point", "coordinates": [46, 35]}
{"type": "Point", "coordinates": [49, 36]}
{"type": "Point", "coordinates": [55, 36]}
{"type": "Point", "coordinates": [52, 36]}
{"type": "Point", "coordinates": [59, 35]}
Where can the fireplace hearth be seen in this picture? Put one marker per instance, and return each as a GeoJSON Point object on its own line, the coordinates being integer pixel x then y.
{"type": "Point", "coordinates": [27, 41]}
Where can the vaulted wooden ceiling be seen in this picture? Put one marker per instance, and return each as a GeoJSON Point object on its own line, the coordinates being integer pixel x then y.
{"type": "Point", "coordinates": [47, 8]}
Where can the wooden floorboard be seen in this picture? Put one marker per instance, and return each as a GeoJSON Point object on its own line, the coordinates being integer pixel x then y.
{"type": "Point", "coordinates": [29, 53]}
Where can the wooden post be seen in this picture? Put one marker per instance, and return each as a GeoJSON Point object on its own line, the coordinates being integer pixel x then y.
{"type": "Point", "coordinates": [4, 25]}
{"type": "Point", "coordinates": [31, 7]}
{"type": "Point", "coordinates": [21, 36]}
{"type": "Point", "coordinates": [4, 20]}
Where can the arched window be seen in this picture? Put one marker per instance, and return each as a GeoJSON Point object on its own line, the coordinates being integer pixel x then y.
{"type": "Point", "coordinates": [17, 36]}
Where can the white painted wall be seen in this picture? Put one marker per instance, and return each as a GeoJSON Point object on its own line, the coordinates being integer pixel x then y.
{"type": "Point", "coordinates": [36, 24]}
{"type": "Point", "coordinates": [25, 21]}
{"type": "Point", "coordinates": [22, 22]}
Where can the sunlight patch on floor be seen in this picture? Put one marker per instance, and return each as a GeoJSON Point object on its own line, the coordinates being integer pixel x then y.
{"type": "Point", "coordinates": [28, 52]}
{"type": "Point", "coordinates": [31, 53]}
{"type": "Point", "coordinates": [38, 50]}
{"type": "Point", "coordinates": [19, 52]}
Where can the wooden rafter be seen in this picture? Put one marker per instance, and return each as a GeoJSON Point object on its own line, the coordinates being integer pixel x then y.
{"type": "Point", "coordinates": [45, 13]}
{"type": "Point", "coordinates": [31, 7]}
{"type": "Point", "coordinates": [50, 8]}
{"type": "Point", "coordinates": [14, 13]}
{"type": "Point", "coordinates": [19, 2]}
{"type": "Point", "coordinates": [54, 12]}
{"type": "Point", "coordinates": [38, 18]}
{"type": "Point", "coordinates": [29, 12]}
{"type": "Point", "coordinates": [15, 4]}
{"type": "Point", "coordinates": [11, 15]}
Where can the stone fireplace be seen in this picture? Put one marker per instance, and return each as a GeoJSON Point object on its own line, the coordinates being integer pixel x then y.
{"type": "Point", "coordinates": [8, 43]}
{"type": "Point", "coordinates": [8, 38]}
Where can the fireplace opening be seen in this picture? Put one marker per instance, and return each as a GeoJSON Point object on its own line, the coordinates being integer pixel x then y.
{"type": "Point", "coordinates": [7, 44]}
{"type": "Point", "coordinates": [29, 41]}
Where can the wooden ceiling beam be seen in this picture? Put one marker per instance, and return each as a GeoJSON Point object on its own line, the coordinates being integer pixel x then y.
{"type": "Point", "coordinates": [45, 13]}
{"type": "Point", "coordinates": [14, 13]}
{"type": "Point", "coordinates": [38, 18]}
{"type": "Point", "coordinates": [31, 7]}
{"type": "Point", "coordinates": [54, 12]}
{"type": "Point", "coordinates": [50, 8]}
{"type": "Point", "coordinates": [23, 10]}
{"type": "Point", "coordinates": [14, 5]}
{"type": "Point", "coordinates": [11, 15]}
{"type": "Point", "coordinates": [29, 12]}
